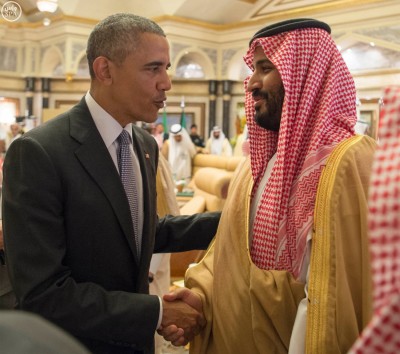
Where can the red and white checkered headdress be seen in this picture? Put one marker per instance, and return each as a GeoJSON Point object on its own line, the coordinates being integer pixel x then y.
{"type": "Point", "coordinates": [382, 335]}
{"type": "Point", "coordinates": [319, 111]}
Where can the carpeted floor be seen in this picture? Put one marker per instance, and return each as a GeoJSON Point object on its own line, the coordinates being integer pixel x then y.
{"type": "Point", "coordinates": [168, 348]}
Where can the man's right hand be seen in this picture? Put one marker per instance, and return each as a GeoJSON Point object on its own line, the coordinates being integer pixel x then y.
{"type": "Point", "coordinates": [182, 316]}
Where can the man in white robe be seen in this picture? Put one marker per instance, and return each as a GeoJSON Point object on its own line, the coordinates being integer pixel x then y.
{"type": "Point", "coordinates": [179, 151]}
{"type": "Point", "coordinates": [218, 143]}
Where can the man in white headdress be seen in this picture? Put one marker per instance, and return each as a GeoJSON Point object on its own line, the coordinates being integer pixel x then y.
{"type": "Point", "coordinates": [218, 144]}
{"type": "Point", "coordinates": [179, 152]}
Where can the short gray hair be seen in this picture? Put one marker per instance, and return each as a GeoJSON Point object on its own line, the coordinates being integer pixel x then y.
{"type": "Point", "coordinates": [116, 37]}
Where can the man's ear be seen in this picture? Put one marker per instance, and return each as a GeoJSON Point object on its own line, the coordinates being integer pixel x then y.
{"type": "Point", "coordinates": [101, 68]}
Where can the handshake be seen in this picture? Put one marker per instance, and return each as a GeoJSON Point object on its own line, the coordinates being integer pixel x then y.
{"type": "Point", "coordinates": [183, 317]}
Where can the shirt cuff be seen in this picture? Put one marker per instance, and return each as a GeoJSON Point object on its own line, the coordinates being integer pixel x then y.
{"type": "Point", "coordinates": [161, 313]}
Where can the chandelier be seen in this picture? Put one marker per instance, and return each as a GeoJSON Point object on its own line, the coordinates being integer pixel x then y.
{"type": "Point", "coordinates": [47, 5]}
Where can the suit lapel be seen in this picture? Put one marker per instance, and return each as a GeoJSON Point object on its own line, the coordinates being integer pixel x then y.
{"type": "Point", "coordinates": [144, 161]}
{"type": "Point", "coordinates": [96, 160]}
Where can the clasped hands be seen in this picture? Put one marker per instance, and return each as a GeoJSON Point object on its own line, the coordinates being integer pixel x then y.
{"type": "Point", "coordinates": [182, 317]}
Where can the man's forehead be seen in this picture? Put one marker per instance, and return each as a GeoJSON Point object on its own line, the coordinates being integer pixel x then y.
{"type": "Point", "coordinates": [259, 56]}
{"type": "Point", "coordinates": [153, 48]}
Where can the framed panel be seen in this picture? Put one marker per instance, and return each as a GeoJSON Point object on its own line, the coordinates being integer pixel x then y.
{"type": "Point", "coordinates": [368, 118]}
{"type": "Point", "coordinates": [65, 104]}
{"type": "Point", "coordinates": [174, 118]}
{"type": "Point", "coordinates": [367, 123]}
{"type": "Point", "coordinates": [194, 113]}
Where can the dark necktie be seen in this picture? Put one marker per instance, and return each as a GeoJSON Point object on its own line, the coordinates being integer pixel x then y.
{"type": "Point", "coordinates": [128, 179]}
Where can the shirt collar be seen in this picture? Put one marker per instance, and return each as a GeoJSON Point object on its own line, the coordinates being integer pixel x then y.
{"type": "Point", "coordinates": [107, 126]}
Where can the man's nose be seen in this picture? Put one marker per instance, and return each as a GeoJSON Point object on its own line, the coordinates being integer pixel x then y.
{"type": "Point", "coordinates": [253, 83]}
{"type": "Point", "coordinates": [165, 84]}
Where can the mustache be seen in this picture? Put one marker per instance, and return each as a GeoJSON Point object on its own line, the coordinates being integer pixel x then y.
{"type": "Point", "coordinates": [257, 93]}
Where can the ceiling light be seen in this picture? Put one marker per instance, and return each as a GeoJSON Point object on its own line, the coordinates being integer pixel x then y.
{"type": "Point", "coordinates": [47, 5]}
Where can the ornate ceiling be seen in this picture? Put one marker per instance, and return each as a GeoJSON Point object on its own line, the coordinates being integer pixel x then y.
{"type": "Point", "coordinates": [213, 12]}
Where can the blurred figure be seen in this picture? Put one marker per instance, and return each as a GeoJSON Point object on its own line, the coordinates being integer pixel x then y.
{"type": "Point", "coordinates": [179, 150]}
{"type": "Point", "coordinates": [26, 333]}
{"type": "Point", "coordinates": [382, 335]}
{"type": "Point", "coordinates": [196, 139]}
{"type": "Point", "coordinates": [15, 132]}
{"type": "Point", "coordinates": [242, 147]}
{"type": "Point", "coordinates": [218, 144]}
{"type": "Point", "coordinates": [158, 133]}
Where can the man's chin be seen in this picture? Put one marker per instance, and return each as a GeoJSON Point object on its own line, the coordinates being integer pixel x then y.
{"type": "Point", "coordinates": [260, 120]}
{"type": "Point", "coordinates": [265, 123]}
{"type": "Point", "coordinates": [149, 119]}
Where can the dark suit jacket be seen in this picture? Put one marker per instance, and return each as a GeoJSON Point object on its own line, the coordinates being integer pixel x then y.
{"type": "Point", "coordinates": [68, 233]}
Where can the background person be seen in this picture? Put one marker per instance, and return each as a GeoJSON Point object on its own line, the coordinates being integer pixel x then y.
{"type": "Point", "coordinates": [158, 133]}
{"type": "Point", "coordinates": [382, 333]}
{"type": "Point", "coordinates": [179, 151]}
{"type": "Point", "coordinates": [218, 144]}
{"type": "Point", "coordinates": [196, 138]}
{"type": "Point", "coordinates": [14, 133]}
{"type": "Point", "coordinates": [27, 333]}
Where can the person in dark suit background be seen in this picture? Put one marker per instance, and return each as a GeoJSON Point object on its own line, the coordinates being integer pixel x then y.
{"type": "Point", "coordinates": [196, 138]}
{"type": "Point", "coordinates": [69, 235]}
{"type": "Point", "coordinates": [27, 333]}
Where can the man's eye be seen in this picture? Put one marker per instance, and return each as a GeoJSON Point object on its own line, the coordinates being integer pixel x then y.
{"type": "Point", "coordinates": [153, 68]}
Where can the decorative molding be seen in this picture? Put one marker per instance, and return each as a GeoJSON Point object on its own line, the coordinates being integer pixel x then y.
{"type": "Point", "coordinates": [177, 48]}
{"type": "Point", "coordinates": [227, 55]}
{"type": "Point", "coordinates": [389, 34]}
{"type": "Point", "coordinates": [213, 56]}
{"type": "Point", "coordinates": [8, 58]}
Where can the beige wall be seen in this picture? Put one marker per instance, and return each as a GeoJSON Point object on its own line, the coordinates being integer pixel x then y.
{"type": "Point", "coordinates": [31, 50]}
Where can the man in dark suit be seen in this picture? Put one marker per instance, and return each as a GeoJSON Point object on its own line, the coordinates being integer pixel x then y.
{"type": "Point", "coordinates": [69, 234]}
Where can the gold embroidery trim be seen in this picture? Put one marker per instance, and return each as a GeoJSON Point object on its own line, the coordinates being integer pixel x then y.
{"type": "Point", "coordinates": [320, 262]}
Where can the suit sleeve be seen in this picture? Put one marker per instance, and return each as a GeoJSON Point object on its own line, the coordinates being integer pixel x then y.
{"type": "Point", "coordinates": [186, 232]}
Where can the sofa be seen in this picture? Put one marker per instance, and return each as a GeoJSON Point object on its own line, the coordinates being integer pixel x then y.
{"type": "Point", "coordinates": [210, 184]}
{"type": "Point", "coordinates": [211, 177]}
